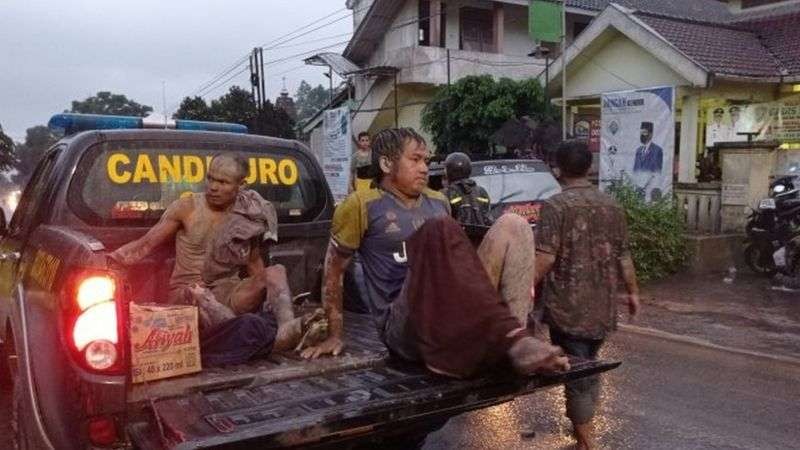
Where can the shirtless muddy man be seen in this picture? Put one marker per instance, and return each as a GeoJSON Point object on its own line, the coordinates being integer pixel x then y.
{"type": "Point", "coordinates": [217, 234]}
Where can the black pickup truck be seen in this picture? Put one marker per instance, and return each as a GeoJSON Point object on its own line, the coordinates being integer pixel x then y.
{"type": "Point", "coordinates": [70, 363]}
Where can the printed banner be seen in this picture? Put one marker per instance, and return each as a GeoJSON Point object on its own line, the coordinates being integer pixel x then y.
{"type": "Point", "coordinates": [772, 121]}
{"type": "Point", "coordinates": [337, 151]}
{"type": "Point", "coordinates": [637, 140]}
{"type": "Point", "coordinates": [587, 128]}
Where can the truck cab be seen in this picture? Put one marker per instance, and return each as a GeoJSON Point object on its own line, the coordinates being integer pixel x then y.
{"type": "Point", "coordinates": [64, 311]}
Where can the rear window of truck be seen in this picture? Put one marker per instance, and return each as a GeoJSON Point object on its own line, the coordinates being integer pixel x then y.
{"type": "Point", "coordinates": [131, 184]}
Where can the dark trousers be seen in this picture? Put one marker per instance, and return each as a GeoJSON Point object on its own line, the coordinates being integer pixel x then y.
{"type": "Point", "coordinates": [238, 340]}
{"type": "Point", "coordinates": [581, 395]}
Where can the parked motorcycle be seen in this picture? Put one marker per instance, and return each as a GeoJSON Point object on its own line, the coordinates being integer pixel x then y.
{"type": "Point", "coordinates": [773, 225]}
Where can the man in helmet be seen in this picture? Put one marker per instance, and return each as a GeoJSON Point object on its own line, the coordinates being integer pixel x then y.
{"type": "Point", "coordinates": [469, 203]}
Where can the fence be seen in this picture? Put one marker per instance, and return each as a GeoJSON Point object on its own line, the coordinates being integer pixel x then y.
{"type": "Point", "coordinates": [701, 204]}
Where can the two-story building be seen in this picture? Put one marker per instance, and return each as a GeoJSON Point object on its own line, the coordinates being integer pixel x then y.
{"type": "Point", "coordinates": [403, 50]}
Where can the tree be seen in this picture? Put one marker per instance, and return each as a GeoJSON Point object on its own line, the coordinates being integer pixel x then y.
{"type": "Point", "coordinates": [310, 100]}
{"type": "Point", "coordinates": [237, 106]}
{"type": "Point", "coordinates": [7, 159]}
{"type": "Point", "coordinates": [105, 102]}
{"type": "Point", "coordinates": [193, 109]}
{"type": "Point", "coordinates": [37, 140]}
{"type": "Point", "coordinates": [464, 115]}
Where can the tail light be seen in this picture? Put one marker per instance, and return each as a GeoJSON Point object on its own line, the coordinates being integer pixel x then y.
{"type": "Point", "coordinates": [93, 326]}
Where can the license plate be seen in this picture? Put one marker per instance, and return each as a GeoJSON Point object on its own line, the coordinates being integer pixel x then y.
{"type": "Point", "coordinates": [767, 203]}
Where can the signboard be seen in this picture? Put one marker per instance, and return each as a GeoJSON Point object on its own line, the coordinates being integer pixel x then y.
{"type": "Point", "coordinates": [637, 140]}
{"type": "Point", "coordinates": [778, 121]}
{"type": "Point", "coordinates": [337, 151]}
{"type": "Point", "coordinates": [587, 128]}
{"type": "Point", "coordinates": [734, 194]}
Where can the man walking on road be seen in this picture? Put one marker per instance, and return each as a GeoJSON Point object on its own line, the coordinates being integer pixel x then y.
{"type": "Point", "coordinates": [583, 258]}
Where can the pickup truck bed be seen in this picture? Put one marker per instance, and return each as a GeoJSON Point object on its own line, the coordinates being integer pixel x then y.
{"type": "Point", "coordinates": [284, 401]}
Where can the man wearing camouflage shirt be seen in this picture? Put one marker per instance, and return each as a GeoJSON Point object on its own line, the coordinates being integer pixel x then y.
{"type": "Point", "coordinates": [583, 258]}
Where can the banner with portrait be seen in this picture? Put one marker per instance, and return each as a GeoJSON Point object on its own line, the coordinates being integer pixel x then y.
{"type": "Point", "coordinates": [637, 140]}
{"type": "Point", "coordinates": [337, 151]}
{"type": "Point", "coordinates": [770, 121]}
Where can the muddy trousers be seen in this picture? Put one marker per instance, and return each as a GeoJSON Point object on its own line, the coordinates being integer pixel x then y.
{"type": "Point", "coordinates": [581, 395]}
{"type": "Point", "coordinates": [506, 253]}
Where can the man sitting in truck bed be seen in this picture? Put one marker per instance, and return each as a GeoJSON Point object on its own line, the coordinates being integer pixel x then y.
{"type": "Point", "coordinates": [434, 300]}
{"type": "Point", "coordinates": [218, 233]}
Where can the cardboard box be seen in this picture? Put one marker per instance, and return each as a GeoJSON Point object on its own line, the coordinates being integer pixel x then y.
{"type": "Point", "coordinates": [164, 341]}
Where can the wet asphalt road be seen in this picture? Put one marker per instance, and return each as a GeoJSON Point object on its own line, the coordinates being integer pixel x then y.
{"type": "Point", "coordinates": [665, 396]}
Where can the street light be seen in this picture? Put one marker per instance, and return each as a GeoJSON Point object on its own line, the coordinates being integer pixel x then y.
{"type": "Point", "coordinates": [543, 52]}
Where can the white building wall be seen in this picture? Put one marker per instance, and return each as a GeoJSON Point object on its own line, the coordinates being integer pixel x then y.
{"type": "Point", "coordinates": [402, 33]}
{"type": "Point", "coordinates": [619, 65]}
{"type": "Point", "coordinates": [360, 8]}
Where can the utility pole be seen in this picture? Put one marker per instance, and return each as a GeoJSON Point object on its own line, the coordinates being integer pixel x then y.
{"type": "Point", "coordinates": [252, 79]}
{"type": "Point", "coordinates": [257, 78]}
{"type": "Point", "coordinates": [263, 80]}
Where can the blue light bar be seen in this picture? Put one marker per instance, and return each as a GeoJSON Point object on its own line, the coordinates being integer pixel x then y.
{"type": "Point", "coordinates": [197, 125]}
{"type": "Point", "coordinates": [68, 123]}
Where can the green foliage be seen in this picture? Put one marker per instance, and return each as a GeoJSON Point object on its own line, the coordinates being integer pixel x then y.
{"type": "Point", "coordinates": [193, 108]}
{"type": "Point", "coordinates": [656, 230]}
{"type": "Point", "coordinates": [37, 140]}
{"type": "Point", "coordinates": [105, 102]}
{"type": "Point", "coordinates": [237, 106]}
{"type": "Point", "coordinates": [309, 101]}
{"type": "Point", "coordinates": [6, 151]}
{"type": "Point", "coordinates": [464, 115]}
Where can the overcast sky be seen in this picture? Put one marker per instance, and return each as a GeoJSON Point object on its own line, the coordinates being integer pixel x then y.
{"type": "Point", "coordinates": [53, 52]}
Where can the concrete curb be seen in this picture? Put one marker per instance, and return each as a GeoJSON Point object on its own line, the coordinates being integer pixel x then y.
{"type": "Point", "coordinates": [706, 344]}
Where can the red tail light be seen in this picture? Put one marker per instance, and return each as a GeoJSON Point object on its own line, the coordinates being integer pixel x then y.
{"type": "Point", "coordinates": [94, 324]}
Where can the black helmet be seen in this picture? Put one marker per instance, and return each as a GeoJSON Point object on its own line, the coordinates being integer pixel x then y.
{"type": "Point", "coordinates": [457, 166]}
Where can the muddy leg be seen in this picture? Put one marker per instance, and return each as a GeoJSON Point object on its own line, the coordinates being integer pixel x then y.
{"type": "Point", "coordinates": [279, 297]}
{"type": "Point", "coordinates": [289, 334]}
{"type": "Point", "coordinates": [507, 252]}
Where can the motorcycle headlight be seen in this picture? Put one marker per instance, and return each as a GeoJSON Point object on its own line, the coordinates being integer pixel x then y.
{"type": "Point", "coordinates": [778, 188]}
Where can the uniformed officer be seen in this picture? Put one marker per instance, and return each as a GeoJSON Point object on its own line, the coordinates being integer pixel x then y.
{"type": "Point", "coordinates": [469, 203]}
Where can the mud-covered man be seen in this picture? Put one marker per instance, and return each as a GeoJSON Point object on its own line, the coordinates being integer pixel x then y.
{"type": "Point", "coordinates": [433, 298]}
{"type": "Point", "coordinates": [583, 258]}
{"type": "Point", "coordinates": [218, 233]}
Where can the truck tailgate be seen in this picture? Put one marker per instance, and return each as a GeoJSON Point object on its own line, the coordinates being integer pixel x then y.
{"type": "Point", "coordinates": [330, 407]}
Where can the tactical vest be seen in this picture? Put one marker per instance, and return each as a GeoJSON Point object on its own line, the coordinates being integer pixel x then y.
{"type": "Point", "coordinates": [469, 203]}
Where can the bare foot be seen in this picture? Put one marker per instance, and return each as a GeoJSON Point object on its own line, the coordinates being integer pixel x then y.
{"type": "Point", "coordinates": [530, 355]}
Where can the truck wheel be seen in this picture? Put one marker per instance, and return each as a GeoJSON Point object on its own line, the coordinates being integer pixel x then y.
{"type": "Point", "coordinates": [758, 261]}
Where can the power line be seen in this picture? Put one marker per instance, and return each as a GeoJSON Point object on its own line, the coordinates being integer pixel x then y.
{"type": "Point", "coordinates": [233, 67]}
{"type": "Point", "coordinates": [311, 41]}
{"type": "Point", "coordinates": [298, 55]}
{"type": "Point", "coordinates": [216, 86]}
{"type": "Point", "coordinates": [224, 82]}
{"type": "Point", "coordinates": [275, 41]}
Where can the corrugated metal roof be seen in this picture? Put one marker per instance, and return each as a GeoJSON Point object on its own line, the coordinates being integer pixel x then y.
{"type": "Point", "coordinates": [338, 63]}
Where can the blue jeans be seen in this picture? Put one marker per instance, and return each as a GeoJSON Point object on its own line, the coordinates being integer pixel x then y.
{"type": "Point", "coordinates": [582, 394]}
{"type": "Point", "coordinates": [238, 340]}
